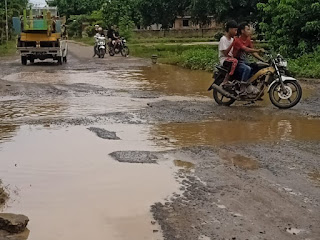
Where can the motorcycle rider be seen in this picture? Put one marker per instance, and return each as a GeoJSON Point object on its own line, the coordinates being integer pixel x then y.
{"type": "Point", "coordinates": [241, 46]}
{"type": "Point", "coordinates": [116, 35]}
{"type": "Point", "coordinates": [226, 49]}
{"type": "Point", "coordinates": [111, 35]}
{"type": "Point", "coordinates": [99, 33]}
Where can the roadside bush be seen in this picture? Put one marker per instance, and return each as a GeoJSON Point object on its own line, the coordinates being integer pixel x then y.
{"type": "Point", "coordinates": [218, 36]}
{"type": "Point", "coordinates": [202, 59]}
{"type": "Point", "coordinates": [291, 26]}
{"type": "Point", "coordinates": [307, 66]}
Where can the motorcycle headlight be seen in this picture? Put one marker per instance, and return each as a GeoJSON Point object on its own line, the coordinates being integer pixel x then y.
{"type": "Point", "coordinates": [283, 63]}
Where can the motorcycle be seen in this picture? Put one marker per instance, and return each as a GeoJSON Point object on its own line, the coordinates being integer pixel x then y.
{"type": "Point", "coordinates": [100, 47]}
{"type": "Point", "coordinates": [284, 91]}
{"type": "Point", "coordinates": [119, 46]}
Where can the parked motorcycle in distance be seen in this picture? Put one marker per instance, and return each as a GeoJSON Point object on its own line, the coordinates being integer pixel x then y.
{"type": "Point", "coordinates": [284, 91]}
{"type": "Point", "coordinates": [119, 46]}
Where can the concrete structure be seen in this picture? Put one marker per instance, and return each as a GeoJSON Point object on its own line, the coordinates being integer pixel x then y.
{"type": "Point", "coordinates": [185, 22]}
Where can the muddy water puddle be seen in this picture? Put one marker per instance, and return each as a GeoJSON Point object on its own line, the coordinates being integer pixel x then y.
{"type": "Point", "coordinates": [82, 94]}
{"type": "Point", "coordinates": [239, 160]}
{"type": "Point", "coordinates": [69, 187]}
{"type": "Point", "coordinates": [113, 79]}
{"type": "Point", "coordinates": [173, 80]}
{"type": "Point", "coordinates": [220, 132]}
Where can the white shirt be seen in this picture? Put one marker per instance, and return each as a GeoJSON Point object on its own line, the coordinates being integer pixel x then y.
{"type": "Point", "coordinates": [224, 44]}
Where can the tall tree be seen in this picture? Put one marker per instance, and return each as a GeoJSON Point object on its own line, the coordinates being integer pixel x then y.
{"type": "Point", "coordinates": [76, 7]}
{"type": "Point", "coordinates": [15, 8]}
{"type": "Point", "coordinates": [292, 26]}
{"type": "Point", "coordinates": [162, 12]}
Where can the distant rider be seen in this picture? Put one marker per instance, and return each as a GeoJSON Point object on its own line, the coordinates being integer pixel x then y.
{"type": "Point", "coordinates": [99, 33]}
{"type": "Point", "coordinates": [112, 35]}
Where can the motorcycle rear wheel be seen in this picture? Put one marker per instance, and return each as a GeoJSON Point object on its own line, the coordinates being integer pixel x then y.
{"type": "Point", "coordinates": [285, 101]}
{"type": "Point", "coordinates": [219, 98]}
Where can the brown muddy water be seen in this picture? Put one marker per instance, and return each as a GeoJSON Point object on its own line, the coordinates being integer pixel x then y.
{"type": "Point", "coordinates": [65, 182]}
{"type": "Point", "coordinates": [172, 80]}
{"type": "Point", "coordinates": [220, 132]}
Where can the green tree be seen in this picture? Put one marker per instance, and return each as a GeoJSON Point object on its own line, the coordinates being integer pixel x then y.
{"type": "Point", "coordinates": [15, 8]}
{"type": "Point", "coordinates": [292, 26]}
{"type": "Point", "coordinates": [162, 12]}
{"type": "Point", "coordinates": [122, 13]}
{"type": "Point", "coordinates": [76, 7]}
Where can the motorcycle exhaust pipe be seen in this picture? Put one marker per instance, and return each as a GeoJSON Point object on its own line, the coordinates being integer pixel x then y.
{"type": "Point", "coordinates": [222, 91]}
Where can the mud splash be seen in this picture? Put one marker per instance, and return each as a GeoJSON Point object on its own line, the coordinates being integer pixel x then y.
{"type": "Point", "coordinates": [239, 160]}
{"type": "Point", "coordinates": [59, 171]}
{"type": "Point", "coordinates": [220, 132]}
{"type": "Point", "coordinates": [184, 164]}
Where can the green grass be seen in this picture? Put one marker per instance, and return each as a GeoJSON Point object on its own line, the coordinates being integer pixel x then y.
{"type": "Point", "coordinates": [169, 40]}
{"type": "Point", "coordinates": [193, 57]}
{"type": "Point", "coordinates": [202, 57]}
{"type": "Point", "coordinates": [7, 49]}
{"type": "Point", "coordinates": [86, 40]}
{"type": "Point", "coordinates": [307, 66]}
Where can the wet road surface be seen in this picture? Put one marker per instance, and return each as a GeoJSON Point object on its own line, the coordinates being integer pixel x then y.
{"type": "Point", "coordinates": [205, 172]}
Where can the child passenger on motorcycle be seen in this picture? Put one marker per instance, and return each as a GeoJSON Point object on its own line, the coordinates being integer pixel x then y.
{"type": "Point", "coordinates": [226, 49]}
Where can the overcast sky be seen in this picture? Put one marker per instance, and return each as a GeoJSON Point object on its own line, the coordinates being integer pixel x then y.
{"type": "Point", "coordinates": [40, 2]}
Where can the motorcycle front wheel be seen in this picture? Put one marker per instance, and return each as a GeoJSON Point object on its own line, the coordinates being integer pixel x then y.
{"type": "Point", "coordinates": [125, 51]}
{"type": "Point", "coordinates": [102, 53]}
{"type": "Point", "coordinates": [285, 99]}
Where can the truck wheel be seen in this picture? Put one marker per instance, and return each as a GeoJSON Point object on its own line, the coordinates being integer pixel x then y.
{"type": "Point", "coordinates": [24, 60]}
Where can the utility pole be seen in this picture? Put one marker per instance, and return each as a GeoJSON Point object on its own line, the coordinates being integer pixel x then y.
{"type": "Point", "coordinates": [7, 28]}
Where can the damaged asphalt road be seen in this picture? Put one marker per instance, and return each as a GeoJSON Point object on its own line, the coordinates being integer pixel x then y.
{"type": "Point", "coordinates": [244, 172]}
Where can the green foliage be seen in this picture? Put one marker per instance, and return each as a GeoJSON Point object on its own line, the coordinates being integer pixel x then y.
{"type": "Point", "coordinates": [75, 24]}
{"type": "Point", "coordinates": [307, 65]}
{"type": "Point", "coordinates": [76, 7]}
{"type": "Point", "coordinates": [161, 12]}
{"type": "Point", "coordinates": [193, 57]}
{"type": "Point", "coordinates": [126, 27]}
{"type": "Point", "coordinates": [15, 8]}
{"type": "Point", "coordinates": [292, 26]}
{"type": "Point", "coordinates": [122, 13]}
{"type": "Point", "coordinates": [8, 48]}
{"type": "Point", "coordinates": [218, 36]}
{"type": "Point", "coordinates": [200, 59]}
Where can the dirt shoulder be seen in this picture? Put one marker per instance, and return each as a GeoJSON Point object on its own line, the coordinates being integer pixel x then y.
{"type": "Point", "coordinates": [240, 192]}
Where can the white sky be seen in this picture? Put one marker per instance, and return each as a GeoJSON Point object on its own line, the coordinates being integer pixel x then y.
{"type": "Point", "coordinates": [40, 2]}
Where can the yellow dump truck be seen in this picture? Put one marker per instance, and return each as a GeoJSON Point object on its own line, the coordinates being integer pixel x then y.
{"type": "Point", "coordinates": [41, 35]}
